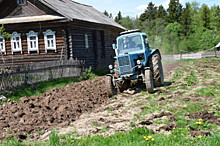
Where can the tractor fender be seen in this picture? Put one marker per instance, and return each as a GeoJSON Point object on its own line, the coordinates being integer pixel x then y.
{"type": "Point", "coordinates": [155, 51]}
{"type": "Point", "coordinates": [152, 52]}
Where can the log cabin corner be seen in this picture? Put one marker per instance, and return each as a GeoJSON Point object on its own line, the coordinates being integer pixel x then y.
{"type": "Point", "coordinates": [50, 30]}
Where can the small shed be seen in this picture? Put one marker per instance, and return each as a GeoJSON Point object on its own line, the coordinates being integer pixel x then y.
{"type": "Point", "coordinates": [218, 47]}
{"type": "Point", "coordinates": [50, 30]}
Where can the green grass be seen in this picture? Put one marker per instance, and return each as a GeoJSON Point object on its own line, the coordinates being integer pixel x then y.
{"type": "Point", "coordinates": [95, 123]}
{"type": "Point", "coordinates": [136, 137]}
{"type": "Point", "coordinates": [208, 92]}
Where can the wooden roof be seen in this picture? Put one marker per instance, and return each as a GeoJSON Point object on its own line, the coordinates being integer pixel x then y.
{"type": "Point", "coordinates": [73, 10]}
{"type": "Point", "coordinates": [218, 45]}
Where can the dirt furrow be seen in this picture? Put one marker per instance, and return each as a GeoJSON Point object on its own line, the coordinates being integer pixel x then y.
{"type": "Point", "coordinates": [56, 108]}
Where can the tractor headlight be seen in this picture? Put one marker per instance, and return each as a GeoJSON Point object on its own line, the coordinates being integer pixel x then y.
{"type": "Point", "coordinates": [110, 67]}
{"type": "Point", "coordinates": [138, 62]}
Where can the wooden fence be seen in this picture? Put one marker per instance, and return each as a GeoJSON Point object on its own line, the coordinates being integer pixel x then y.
{"type": "Point", "coordinates": [33, 73]}
{"type": "Point", "coordinates": [198, 55]}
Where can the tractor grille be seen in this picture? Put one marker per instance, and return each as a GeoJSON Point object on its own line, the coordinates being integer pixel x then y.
{"type": "Point", "coordinates": [124, 64]}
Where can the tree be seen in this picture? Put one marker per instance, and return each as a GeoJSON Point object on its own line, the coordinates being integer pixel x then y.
{"type": "Point", "coordinates": [2, 32]}
{"type": "Point", "coordinates": [185, 21]}
{"type": "Point", "coordinates": [161, 12]}
{"type": "Point", "coordinates": [118, 18]}
{"type": "Point", "coordinates": [205, 16]}
{"type": "Point", "coordinates": [150, 12]}
{"type": "Point", "coordinates": [106, 13]}
{"type": "Point", "coordinates": [110, 16]}
{"type": "Point", "coordinates": [218, 19]}
{"type": "Point", "coordinates": [214, 20]}
{"type": "Point", "coordinates": [127, 23]}
{"type": "Point", "coordinates": [174, 11]}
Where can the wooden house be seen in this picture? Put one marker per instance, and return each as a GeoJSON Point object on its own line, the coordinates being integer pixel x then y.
{"type": "Point", "coordinates": [49, 30]}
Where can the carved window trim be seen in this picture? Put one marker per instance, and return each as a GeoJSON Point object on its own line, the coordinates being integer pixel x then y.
{"type": "Point", "coordinates": [21, 2]}
{"type": "Point", "coordinates": [32, 44]}
{"type": "Point", "coordinates": [2, 44]}
{"type": "Point", "coordinates": [16, 44]}
{"type": "Point", "coordinates": [50, 40]}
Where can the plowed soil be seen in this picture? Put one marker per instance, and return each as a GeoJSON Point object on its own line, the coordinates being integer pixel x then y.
{"type": "Point", "coordinates": [55, 108]}
{"type": "Point", "coordinates": [190, 93]}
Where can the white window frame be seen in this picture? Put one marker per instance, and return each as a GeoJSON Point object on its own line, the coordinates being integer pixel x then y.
{"type": "Point", "coordinates": [2, 50]}
{"type": "Point", "coordinates": [50, 32]}
{"type": "Point", "coordinates": [29, 41]}
{"type": "Point", "coordinates": [86, 41]}
{"type": "Point", "coordinates": [18, 49]}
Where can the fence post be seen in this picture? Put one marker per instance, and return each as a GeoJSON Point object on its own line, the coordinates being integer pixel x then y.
{"type": "Point", "coordinates": [25, 78]}
{"type": "Point", "coordinates": [181, 53]}
{"type": "Point", "coordinates": [215, 53]}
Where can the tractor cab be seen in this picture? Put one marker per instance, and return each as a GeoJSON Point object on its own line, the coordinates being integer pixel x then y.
{"type": "Point", "coordinates": [131, 52]}
{"type": "Point", "coordinates": [131, 41]}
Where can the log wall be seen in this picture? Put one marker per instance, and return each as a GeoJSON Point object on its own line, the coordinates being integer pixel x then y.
{"type": "Point", "coordinates": [19, 59]}
{"type": "Point", "coordinates": [100, 53]}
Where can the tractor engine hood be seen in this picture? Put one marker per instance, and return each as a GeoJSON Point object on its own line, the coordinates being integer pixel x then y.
{"type": "Point", "coordinates": [127, 62]}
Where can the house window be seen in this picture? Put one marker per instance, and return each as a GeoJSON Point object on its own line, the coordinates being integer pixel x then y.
{"type": "Point", "coordinates": [16, 45]}
{"type": "Point", "coordinates": [86, 41]}
{"type": "Point", "coordinates": [50, 40]}
{"type": "Point", "coordinates": [32, 39]}
{"type": "Point", "coordinates": [2, 44]}
{"type": "Point", "coordinates": [21, 2]}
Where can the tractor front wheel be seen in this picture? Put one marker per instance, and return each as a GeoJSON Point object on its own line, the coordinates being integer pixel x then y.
{"type": "Point", "coordinates": [157, 69]}
{"type": "Point", "coordinates": [149, 81]}
{"type": "Point", "coordinates": [109, 86]}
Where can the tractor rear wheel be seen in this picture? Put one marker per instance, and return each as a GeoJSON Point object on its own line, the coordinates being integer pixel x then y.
{"type": "Point", "coordinates": [149, 81]}
{"type": "Point", "coordinates": [121, 86]}
{"type": "Point", "coordinates": [157, 69]}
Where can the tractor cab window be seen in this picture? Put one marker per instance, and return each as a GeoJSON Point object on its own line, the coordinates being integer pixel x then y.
{"type": "Point", "coordinates": [20, 2]}
{"type": "Point", "coordinates": [130, 44]}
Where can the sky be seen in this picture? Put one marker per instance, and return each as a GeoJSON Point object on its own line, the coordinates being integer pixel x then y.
{"type": "Point", "coordinates": [134, 8]}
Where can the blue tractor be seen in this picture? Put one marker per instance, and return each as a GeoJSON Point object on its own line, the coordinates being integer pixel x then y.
{"type": "Point", "coordinates": [134, 60]}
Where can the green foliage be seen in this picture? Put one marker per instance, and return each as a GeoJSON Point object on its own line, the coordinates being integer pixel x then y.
{"type": "Point", "coordinates": [185, 21]}
{"type": "Point", "coordinates": [150, 13]}
{"type": "Point", "coordinates": [88, 74]}
{"type": "Point", "coordinates": [118, 18]}
{"type": "Point", "coordinates": [2, 32]}
{"type": "Point", "coordinates": [161, 13]}
{"type": "Point", "coordinates": [174, 11]}
{"type": "Point", "coordinates": [173, 27]}
{"type": "Point", "coordinates": [205, 16]}
{"type": "Point", "coordinates": [107, 14]}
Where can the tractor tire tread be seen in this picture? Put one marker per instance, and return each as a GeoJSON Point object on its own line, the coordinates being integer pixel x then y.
{"type": "Point", "coordinates": [157, 70]}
